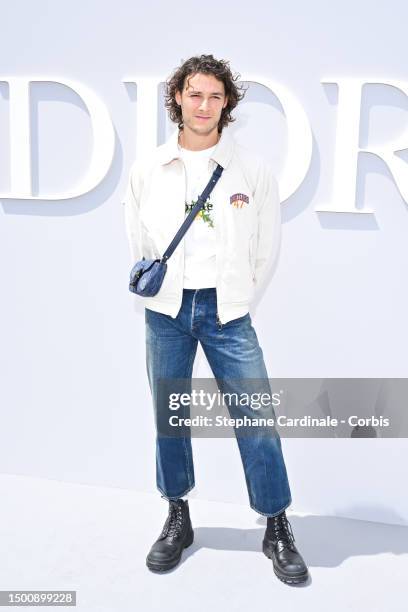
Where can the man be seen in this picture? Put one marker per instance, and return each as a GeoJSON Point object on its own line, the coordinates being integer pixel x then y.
{"type": "Point", "coordinates": [211, 279]}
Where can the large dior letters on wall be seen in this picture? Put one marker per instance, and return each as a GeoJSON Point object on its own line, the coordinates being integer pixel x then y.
{"type": "Point", "coordinates": [299, 137]}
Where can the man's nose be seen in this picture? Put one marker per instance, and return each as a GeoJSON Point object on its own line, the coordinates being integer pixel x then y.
{"type": "Point", "coordinates": [204, 104]}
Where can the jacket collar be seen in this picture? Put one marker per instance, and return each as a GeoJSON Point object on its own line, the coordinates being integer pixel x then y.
{"type": "Point", "coordinates": [222, 153]}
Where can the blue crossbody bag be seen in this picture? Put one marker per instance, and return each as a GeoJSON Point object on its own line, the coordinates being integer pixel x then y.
{"type": "Point", "coordinates": [146, 276]}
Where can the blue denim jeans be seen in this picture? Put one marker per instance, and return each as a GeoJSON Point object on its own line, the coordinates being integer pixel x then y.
{"type": "Point", "coordinates": [232, 351]}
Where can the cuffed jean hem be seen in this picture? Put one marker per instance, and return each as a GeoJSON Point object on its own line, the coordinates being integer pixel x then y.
{"type": "Point", "coordinates": [173, 497]}
{"type": "Point", "coordinates": [275, 513]}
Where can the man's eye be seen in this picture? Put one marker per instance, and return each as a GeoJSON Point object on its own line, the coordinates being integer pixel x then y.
{"type": "Point", "coordinates": [197, 96]}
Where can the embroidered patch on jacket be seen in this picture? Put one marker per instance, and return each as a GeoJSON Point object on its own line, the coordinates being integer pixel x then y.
{"type": "Point", "coordinates": [239, 199]}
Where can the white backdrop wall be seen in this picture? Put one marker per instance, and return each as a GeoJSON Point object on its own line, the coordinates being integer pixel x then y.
{"type": "Point", "coordinates": [75, 402]}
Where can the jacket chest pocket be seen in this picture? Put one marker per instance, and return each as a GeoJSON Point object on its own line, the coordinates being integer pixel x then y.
{"type": "Point", "coordinates": [240, 227]}
{"type": "Point", "coordinates": [159, 224]}
{"type": "Point", "coordinates": [162, 205]}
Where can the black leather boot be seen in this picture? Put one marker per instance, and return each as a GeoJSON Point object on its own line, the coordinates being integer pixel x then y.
{"type": "Point", "coordinates": [278, 545]}
{"type": "Point", "coordinates": [176, 535]}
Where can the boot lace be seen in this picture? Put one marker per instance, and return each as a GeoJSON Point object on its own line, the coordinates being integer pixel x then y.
{"type": "Point", "coordinates": [282, 531]}
{"type": "Point", "coordinates": [172, 526]}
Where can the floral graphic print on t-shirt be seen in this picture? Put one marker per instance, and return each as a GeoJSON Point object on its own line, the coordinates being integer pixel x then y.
{"type": "Point", "coordinates": [204, 213]}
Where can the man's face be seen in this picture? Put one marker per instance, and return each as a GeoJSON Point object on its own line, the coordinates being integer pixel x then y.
{"type": "Point", "coordinates": [202, 101]}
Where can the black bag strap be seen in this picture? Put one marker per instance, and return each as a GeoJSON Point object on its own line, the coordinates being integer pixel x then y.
{"type": "Point", "coordinates": [188, 220]}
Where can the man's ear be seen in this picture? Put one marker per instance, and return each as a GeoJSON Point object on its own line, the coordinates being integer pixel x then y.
{"type": "Point", "coordinates": [177, 97]}
{"type": "Point", "coordinates": [226, 102]}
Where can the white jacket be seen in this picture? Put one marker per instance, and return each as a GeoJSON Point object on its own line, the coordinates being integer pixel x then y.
{"type": "Point", "coordinates": [248, 226]}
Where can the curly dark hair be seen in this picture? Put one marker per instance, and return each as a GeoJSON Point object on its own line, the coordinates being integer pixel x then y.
{"type": "Point", "coordinates": [204, 64]}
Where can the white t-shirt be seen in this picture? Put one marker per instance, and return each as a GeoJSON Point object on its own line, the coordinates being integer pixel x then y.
{"type": "Point", "coordinates": [199, 240]}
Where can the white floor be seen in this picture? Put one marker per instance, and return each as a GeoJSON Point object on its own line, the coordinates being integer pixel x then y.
{"type": "Point", "coordinates": [94, 540]}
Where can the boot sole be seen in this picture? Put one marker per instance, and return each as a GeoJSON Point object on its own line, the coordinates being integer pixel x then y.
{"type": "Point", "coordinates": [284, 577]}
{"type": "Point", "coordinates": [163, 567]}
